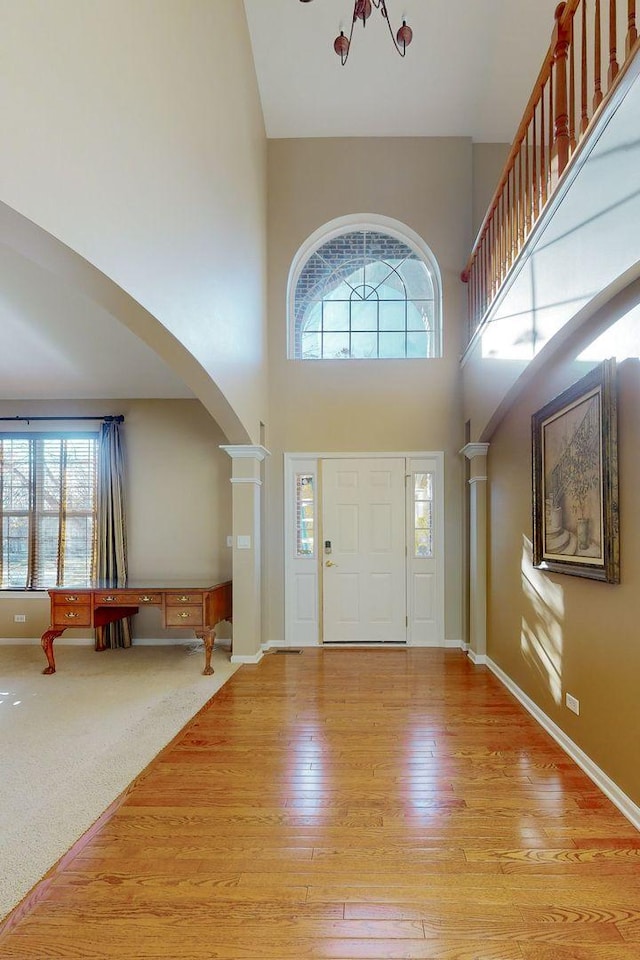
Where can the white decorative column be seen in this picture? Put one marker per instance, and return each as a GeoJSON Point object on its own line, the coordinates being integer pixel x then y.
{"type": "Point", "coordinates": [476, 453]}
{"type": "Point", "coordinates": [246, 482]}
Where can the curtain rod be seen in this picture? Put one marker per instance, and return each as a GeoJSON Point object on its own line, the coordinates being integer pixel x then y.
{"type": "Point", "coordinates": [118, 419]}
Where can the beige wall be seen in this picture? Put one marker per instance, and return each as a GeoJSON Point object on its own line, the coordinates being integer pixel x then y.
{"type": "Point", "coordinates": [178, 501]}
{"type": "Point", "coordinates": [488, 162]}
{"type": "Point", "coordinates": [554, 634]}
{"type": "Point", "coordinates": [368, 406]}
{"type": "Point", "coordinates": [136, 138]}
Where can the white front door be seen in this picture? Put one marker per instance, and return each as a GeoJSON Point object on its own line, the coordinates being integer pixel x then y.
{"type": "Point", "coordinates": [363, 550]}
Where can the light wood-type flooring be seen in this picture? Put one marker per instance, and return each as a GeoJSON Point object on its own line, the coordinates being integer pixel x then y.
{"type": "Point", "coordinates": [348, 804]}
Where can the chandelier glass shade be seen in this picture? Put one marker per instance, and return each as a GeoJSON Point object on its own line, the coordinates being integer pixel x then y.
{"type": "Point", "coordinates": [362, 10]}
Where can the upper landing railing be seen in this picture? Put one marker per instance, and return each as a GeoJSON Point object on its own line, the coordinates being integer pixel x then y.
{"type": "Point", "coordinates": [582, 59]}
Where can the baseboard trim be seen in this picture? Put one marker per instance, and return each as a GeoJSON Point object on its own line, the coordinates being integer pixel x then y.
{"type": "Point", "coordinates": [443, 645]}
{"type": "Point", "coordinates": [252, 658]}
{"type": "Point", "coordinates": [437, 644]}
{"type": "Point", "coordinates": [281, 645]}
{"type": "Point", "coordinates": [479, 659]}
{"type": "Point", "coordinates": [455, 644]}
{"type": "Point", "coordinates": [625, 804]}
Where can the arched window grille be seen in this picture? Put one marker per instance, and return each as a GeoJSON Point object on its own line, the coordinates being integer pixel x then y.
{"type": "Point", "coordinates": [365, 294]}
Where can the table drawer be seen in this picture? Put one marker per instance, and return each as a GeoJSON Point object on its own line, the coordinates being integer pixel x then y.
{"type": "Point", "coordinates": [182, 598]}
{"type": "Point", "coordinates": [71, 614]}
{"type": "Point", "coordinates": [185, 616]}
{"type": "Point", "coordinates": [127, 598]}
{"type": "Point", "coordinates": [71, 597]}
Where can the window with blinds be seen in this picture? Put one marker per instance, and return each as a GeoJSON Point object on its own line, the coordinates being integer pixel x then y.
{"type": "Point", "coordinates": [48, 495]}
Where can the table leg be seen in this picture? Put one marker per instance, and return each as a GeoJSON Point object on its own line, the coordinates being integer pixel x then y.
{"type": "Point", "coordinates": [99, 645]}
{"type": "Point", "coordinates": [207, 636]}
{"type": "Point", "coordinates": [47, 645]}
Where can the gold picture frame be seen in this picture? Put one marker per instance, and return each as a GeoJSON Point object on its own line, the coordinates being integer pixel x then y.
{"type": "Point", "coordinates": [575, 479]}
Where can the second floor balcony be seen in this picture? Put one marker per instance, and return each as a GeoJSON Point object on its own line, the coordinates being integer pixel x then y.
{"type": "Point", "coordinates": [561, 235]}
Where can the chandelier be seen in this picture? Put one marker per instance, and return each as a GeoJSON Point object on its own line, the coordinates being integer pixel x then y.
{"type": "Point", "coordinates": [362, 10]}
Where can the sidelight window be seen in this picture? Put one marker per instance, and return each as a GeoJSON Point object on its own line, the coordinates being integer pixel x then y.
{"type": "Point", "coordinates": [305, 515]}
{"type": "Point", "coordinates": [423, 515]}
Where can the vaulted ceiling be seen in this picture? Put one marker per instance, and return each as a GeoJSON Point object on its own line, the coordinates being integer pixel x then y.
{"type": "Point", "coordinates": [468, 72]}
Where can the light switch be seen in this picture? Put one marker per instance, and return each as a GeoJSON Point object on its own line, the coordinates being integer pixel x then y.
{"type": "Point", "coordinates": [244, 543]}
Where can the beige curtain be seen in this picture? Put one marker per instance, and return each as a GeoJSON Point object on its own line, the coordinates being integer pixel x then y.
{"type": "Point", "coordinates": [111, 534]}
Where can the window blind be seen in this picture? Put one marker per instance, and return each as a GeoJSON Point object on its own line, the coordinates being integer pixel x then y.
{"type": "Point", "coordinates": [48, 493]}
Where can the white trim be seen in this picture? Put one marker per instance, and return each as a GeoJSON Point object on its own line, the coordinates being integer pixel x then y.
{"type": "Point", "coordinates": [252, 658]}
{"type": "Point", "coordinates": [25, 595]}
{"type": "Point", "coordinates": [254, 480]}
{"type": "Point", "coordinates": [412, 562]}
{"type": "Point", "coordinates": [245, 451]}
{"type": "Point", "coordinates": [351, 224]}
{"type": "Point", "coordinates": [445, 645]}
{"type": "Point", "coordinates": [360, 455]}
{"type": "Point", "coordinates": [473, 450]}
{"type": "Point", "coordinates": [479, 659]}
{"type": "Point", "coordinates": [625, 804]}
{"type": "Point", "coordinates": [304, 463]}
{"type": "Point", "coordinates": [366, 645]}
{"type": "Point", "coordinates": [289, 461]}
{"type": "Point", "coordinates": [281, 645]}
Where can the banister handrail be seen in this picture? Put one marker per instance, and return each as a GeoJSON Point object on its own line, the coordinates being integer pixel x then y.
{"type": "Point", "coordinates": [543, 76]}
{"type": "Point", "coordinates": [554, 122]}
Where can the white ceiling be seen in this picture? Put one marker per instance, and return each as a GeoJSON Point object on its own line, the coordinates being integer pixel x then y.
{"type": "Point", "coordinates": [468, 72]}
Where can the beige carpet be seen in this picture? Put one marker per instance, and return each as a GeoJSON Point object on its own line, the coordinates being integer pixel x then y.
{"type": "Point", "coordinates": [72, 742]}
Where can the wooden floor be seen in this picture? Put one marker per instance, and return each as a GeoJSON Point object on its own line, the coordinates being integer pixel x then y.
{"type": "Point", "coordinates": [352, 804]}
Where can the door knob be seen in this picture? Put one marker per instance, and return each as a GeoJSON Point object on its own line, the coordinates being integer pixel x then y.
{"type": "Point", "coordinates": [330, 563]}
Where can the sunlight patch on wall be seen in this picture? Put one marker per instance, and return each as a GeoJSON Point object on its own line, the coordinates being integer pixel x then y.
{"type": "Point", "coordinates": [521, 334]}
{"type": "Point", "coordinates": [541, 637]}
{"type": "Point", "coordinates": [621, 340]}
{"type": "Point", "coordinates": [509, 338]}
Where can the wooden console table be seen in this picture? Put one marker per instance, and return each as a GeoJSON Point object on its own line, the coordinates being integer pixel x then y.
{"type": "Point", "coordinates": [190, 608]}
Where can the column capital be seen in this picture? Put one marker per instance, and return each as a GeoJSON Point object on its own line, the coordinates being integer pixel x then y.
{"type": "Point", "coordinates": [245, 451]}
{"type": "Point", "coordinates": [473, 450]}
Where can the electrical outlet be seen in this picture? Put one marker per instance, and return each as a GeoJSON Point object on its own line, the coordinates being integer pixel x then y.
{"type": "Point", "coordinates": [19, 618]}
{"type": "Point", "coordinates": [572, 703]}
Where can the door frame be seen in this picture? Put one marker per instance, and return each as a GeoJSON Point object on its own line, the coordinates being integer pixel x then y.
{"type": "Point", "coordinates": [309, 633]}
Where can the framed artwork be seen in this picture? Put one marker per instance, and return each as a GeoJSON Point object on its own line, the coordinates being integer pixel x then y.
{"type": "Point", "coordinates": [575, 479]}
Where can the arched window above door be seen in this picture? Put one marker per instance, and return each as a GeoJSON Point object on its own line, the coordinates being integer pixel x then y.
{"type": "Point", "coordinates": [366, 291]}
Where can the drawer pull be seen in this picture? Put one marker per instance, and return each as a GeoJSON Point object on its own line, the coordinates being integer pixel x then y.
{"type": "Point", "coordinates": [183, 599]}
{"type": "Point", "coordinates": [184, 615]}
{"type": "Point", "coordinates": [71, 599]}
{"type": "Point", "coordinates": [72, 616]}
{"type": "Point", "coordinates": [109, 599]}
{"type": "Point", "coordinates": [146, 599]}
